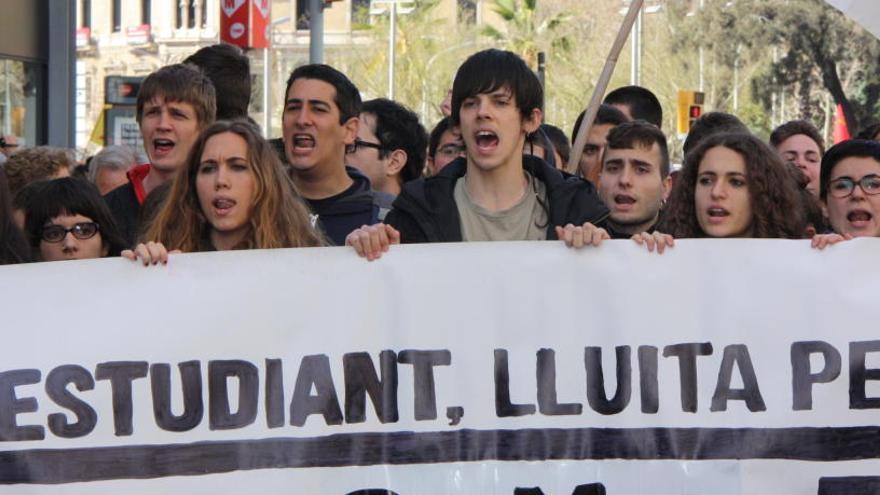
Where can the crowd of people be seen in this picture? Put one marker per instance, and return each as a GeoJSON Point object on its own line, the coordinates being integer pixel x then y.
{"type": "Point", "coordinates": [369, 175]}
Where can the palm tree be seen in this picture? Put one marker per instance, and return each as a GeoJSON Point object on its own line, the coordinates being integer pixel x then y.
{"type": "Point", "coordinates": [526, 32]}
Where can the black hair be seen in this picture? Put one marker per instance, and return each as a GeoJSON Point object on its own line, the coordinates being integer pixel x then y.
{"type": "Point", "coordinates": [229, 70]}
{"type": "Point", "coordinates": [539, 138]}
{"type": "Point", "coordinates": [642, 103]}
{"type": "Point", "coordinates": [490, 70]}
{"type": "Point", "coordinates": [559, 140]}
{"type": "Point", "coordinates": [793, 128]}
{"type": "Point", "coordinates": [70, 196]}
{"type": "Point", "coordinates": [606, 115]}
{"type": "Point", "coordinates": [13, 246]}
{"type": "Point", "coordinates": [629, 135]}
{"type": "Point", "coordinates": [870, 132]}
{"type": "Point", "coordinates": [347, 98]}
{"type": "Point", "coordinates": [398, 127]}
{"type": "Point", "coordinates": [436, 133]}
{"type": "Point", "coordinates": [812, 208]}
{"type": "Point", "coordinates": [709, 124]}
{"type": "Point", "coordinates": [862, 148]}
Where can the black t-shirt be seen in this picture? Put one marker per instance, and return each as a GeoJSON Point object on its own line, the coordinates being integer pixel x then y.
{"type": "Point", "coordinates": [339, 215]}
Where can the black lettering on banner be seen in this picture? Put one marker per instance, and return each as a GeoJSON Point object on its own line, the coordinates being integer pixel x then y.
{"type": "Point", "coordinates": [11, 405]}
{"type": "Point", "coordinates": [850, 485]}
{"type": "Point", "coordinates": [589, 489]}
{"type": "Point", "coordinates": [372, 491]}
{"type": "Point", "coordinates": [737, 354]}
{"type": "Point", "coordinates": [274, 394]}
{"type": "Point", "coordinates": [648, 381]}
{"type": "Point", "coordinates": [424, 395]}
{"type": "Point", "coordinates": [858, 375]}
{"type": "Point", "coordinates": [121, 374]}
{"type": "Point", "coordinates": [361, 379]}
{"type": "Point", "coordinates": [315, 370]}
{"type": "Point", "coordinates": [802, 377]}
{"type": "Point", "coordinates": [546, 375]}
{"type": "Point", "coordinates": [596, 380]}
{"type": "Point", "coordinates": [56, 388]}
{"type": "Point", "coordinates": [220, 415]}
{"type": "Point", "coordinates": [687, 370]}
{"type": "Point", "coordinates": [191, 387]}
{"type": "Point", "coordinates": [504, 408]}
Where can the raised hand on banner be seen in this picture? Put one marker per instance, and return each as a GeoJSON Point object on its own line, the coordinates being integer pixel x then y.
{"type": "Point", "coordinates": [151, 253]}
{"type": "Point", "coordinates": [370, 241]}
{"type": "Point", "coordinates": [653, 240]}
{"type": "Point", "coordinates": [820, 241]}
{"type": "Point", "coordinates": [578, 236]}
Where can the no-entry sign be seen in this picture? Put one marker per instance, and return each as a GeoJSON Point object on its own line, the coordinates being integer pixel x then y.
{"type": "Point", "coordinates": [245, 23]}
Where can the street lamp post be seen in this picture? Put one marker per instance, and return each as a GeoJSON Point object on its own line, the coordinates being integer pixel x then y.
{"type": "Point", "coordinates": [405, 7]}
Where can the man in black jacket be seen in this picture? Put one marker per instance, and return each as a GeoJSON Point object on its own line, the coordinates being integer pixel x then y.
{"type": "Point", "coordinates": [494, 192]}
{"type": "Point", "coordinates": [320, 121]}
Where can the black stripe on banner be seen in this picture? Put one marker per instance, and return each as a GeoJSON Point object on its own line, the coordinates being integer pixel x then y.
{"type": "Point", "coordinates": [51, 466]}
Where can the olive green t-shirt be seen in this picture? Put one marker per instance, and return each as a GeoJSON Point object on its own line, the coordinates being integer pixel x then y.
{"type": "Point", "coordinates": [524, 221]}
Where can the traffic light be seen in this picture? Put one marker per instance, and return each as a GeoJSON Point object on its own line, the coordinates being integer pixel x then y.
{"type": "Point", "coordinates": [690, 107]}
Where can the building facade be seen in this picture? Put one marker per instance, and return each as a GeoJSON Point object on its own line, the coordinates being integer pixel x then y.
{"type": "Point", "coordinates": [135, 37]}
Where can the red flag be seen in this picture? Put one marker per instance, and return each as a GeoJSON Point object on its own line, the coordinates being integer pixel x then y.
{"type": "Point", "coordinates": [841, 131]}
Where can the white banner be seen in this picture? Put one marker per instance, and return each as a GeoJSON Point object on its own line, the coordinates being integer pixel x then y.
{"type": "Point", "coordinates": [724, 367]}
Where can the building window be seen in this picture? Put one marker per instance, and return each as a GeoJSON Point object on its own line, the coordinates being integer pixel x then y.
{"type": "Point", "coordinates": [86, 10]}
{"type": "Point", "coordinates": [189, 11]}
{"type": "Point", "coordinates": [146, 11]}
{"type": "Point", "coordinates": [117, 16]}
{"type": "Point", "coordinates": [22, 101]}
{"type": "Point", "coordinates": [467, 11]}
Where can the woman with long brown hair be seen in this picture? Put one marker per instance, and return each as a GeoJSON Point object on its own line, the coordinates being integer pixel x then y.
{"type": "Point", "coordinates": [232, 194]}
{"type": "Point", "coordinates": [734, 185]}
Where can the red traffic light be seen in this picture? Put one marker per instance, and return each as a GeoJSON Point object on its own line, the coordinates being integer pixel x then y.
{"type": "Point", "coordinates": [695, 111]}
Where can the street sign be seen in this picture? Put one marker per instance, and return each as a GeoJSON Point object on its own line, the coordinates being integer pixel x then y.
{"type": "Point", "coordinates": [245, 23]}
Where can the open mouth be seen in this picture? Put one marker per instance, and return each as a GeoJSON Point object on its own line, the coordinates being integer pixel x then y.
{"type": "Point", "coordinates": [223, 205]}
{"type": "Point", "coordinates": [624, 200]}
{"type": "Point", "coordinates": [859, 218]}
{"type": "Point", "coordinates": [303, 143]}
{"type": "Point", "coordinates": [718, 213]}
{"type": "Point", "coordinates": [486, 140]}
{"type": "Point", "coordinates": [163, 146]}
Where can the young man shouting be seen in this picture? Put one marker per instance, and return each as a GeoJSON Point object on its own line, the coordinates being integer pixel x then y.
{"type": "Point", "coordinates": [174, 104]}
{"type": "Point", "coordinates": [494, 193]}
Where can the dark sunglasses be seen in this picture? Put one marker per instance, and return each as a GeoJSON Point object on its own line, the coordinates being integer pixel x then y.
{"type": "Point", "coordinates": [57, 233]}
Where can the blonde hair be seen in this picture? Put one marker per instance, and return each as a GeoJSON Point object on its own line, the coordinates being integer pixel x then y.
{"type": "Point", "coordinates": [280, 218]}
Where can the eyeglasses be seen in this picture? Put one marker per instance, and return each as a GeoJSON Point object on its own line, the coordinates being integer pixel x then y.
{"type": "Point", "coordinates": [844, 186]}
{"type": "Point", "coordinates": [451, 149]}
{"type": "Point", "coordinates": [57, 233]}
{"type": "Point", "coordinates": [363, 144]}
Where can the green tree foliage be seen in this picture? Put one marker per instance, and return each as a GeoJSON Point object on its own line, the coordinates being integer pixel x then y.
{"type": "Point", "coordinates": [527, 31]}
{"type": "Point", "coordinates": [804, 47]}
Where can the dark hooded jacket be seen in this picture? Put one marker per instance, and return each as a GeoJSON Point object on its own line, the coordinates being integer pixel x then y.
{"type": "Point", "coordinates": [358, 205]}
{"type": "Point", "coordinates": [425, 211]}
